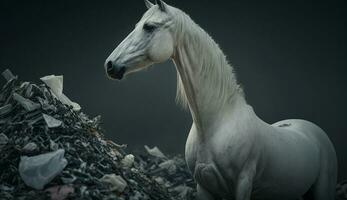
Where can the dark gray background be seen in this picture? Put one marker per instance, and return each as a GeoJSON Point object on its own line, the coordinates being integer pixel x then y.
{"type": "Point", "coordinates": [289, 57]}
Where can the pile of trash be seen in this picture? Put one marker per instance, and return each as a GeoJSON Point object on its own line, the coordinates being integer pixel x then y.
{"type": "Point", "coordinates": [49, 149]}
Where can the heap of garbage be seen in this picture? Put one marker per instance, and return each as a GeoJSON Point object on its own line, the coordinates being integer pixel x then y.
{"type": "Point", "coordinates": [49, 149]}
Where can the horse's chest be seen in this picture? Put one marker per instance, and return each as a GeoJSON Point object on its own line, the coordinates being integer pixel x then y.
{"type": "Point", "coordinates": [209, 177]}
{"type": "Point", "coordinates": [215, 162]}
{"type": "Point", "coordinates": [208, 172]}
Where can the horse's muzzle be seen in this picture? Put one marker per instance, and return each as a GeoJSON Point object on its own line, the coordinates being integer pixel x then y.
{"type": "Point", "coordinates": [114, 72]}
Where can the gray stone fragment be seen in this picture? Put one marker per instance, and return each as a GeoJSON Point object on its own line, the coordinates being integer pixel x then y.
{"type": "Point", "coordinates": [37, 171]}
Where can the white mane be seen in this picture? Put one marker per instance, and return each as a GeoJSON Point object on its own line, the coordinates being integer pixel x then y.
{"type": "Point", "coordinates": [215, 69]}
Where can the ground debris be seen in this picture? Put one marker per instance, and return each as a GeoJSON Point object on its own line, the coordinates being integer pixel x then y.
{"type": "Point", "coordinates": [37, 121]}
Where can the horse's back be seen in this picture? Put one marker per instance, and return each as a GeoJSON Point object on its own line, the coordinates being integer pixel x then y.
{"type": "Point", "coordinates": [294, 154]}
{"type": "Point", "coordinates": [311, 131]}
{"type": "Point", "coordinates": [324, 185]}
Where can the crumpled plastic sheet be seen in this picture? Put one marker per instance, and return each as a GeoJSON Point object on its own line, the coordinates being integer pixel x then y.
{"type": "Point", "coordinates": [37, 171]}
{"type": "Point", "coordinates": [117, 182]}
{"type": "Point", "coordinates": [155, 151]}
{"type": "Point", "coordinates": [55, 83]}
{"type": "Point", "coordinates": [51, 121]}
{"type": "Point", "coordinates": [128, 160]}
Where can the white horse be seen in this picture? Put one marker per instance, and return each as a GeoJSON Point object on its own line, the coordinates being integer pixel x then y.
{"type": "Point", "coordinates": [231, 153]}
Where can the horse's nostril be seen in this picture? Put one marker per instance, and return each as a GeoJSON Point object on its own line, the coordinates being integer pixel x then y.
{"type": "Point", "coordinates": [109, 66]}
{"type": "Point", "coordinates": [122, 70]}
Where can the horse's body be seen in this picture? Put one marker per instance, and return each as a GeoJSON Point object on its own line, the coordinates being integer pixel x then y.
{"type": "Point", "coordinates": [231, 153]}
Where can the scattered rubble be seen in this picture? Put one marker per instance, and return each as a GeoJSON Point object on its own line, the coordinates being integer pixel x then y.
{"type": "Point", "coordinates": [49, 149]}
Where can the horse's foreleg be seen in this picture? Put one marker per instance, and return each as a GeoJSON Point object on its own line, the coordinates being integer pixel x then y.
{"type": "Point", "coordinates": [203, 194]}
{"type": "Point", "coordinates": [245, 183]}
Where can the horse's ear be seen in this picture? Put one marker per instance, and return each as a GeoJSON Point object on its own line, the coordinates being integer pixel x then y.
{"type": "Point", "coordinates": [162, 5]}
{"type": "Point", "coordinates": [148, 4]}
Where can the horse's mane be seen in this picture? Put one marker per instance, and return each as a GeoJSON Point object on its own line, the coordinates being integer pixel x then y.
{"type": "Point", "coordinates": [215, 68]}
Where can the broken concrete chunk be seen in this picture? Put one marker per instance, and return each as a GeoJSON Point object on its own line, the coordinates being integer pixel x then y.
{"type": "Point", "coordinates": [117, 182]}
{"type": "Point", "coordinates": [51, 121]}
{"type": "Point", "coordinates": [128, 160]}
{"type": "Point", "coordinates": [26, 103]}
{"type": "Point", "coordinates": [55, 83]}
{"type": "Point", "coordinates": [155, 151]}
{"type": "Point", "coordinates": [37, 171]}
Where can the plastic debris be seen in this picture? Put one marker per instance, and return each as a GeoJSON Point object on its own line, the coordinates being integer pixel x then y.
{"type": "Point", "coordinates": [55, 83]}
{"type": "Point", "coordinates": [155, 151]}
{"type": "Point", "coordinates": [37, 171]}
{"type": "Point", "coordinates": [128, 161]}
{"type": "Point", "coordinates": [117, 182]}
{"type": "Point", "coordinates": [51, 121]}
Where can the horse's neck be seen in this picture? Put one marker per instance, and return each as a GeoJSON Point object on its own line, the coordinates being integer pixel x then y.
{"type": "Point", "coordinates": [206, 82]}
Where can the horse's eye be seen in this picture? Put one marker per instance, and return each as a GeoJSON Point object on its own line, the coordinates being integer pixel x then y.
{"type": "Point", "coordinates": [149, 27]}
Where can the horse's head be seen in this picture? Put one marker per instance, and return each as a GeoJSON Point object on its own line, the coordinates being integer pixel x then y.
{"type": "Point", "coordinates": [152, 41]}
